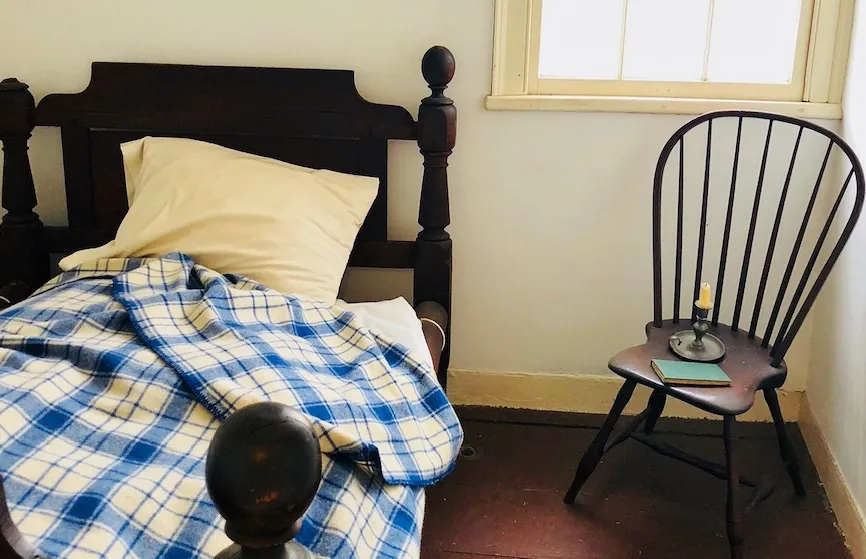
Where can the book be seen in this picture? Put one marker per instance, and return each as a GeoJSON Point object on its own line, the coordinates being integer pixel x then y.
{"type": "Point", "coordinates": [689, 373]}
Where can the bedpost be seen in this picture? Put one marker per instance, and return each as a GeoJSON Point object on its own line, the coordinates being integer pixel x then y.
{"type": "Point", "coordinates": [437, 131]}
{"type": "Point", "coordinates": [22, 254]}
{"type": "Point", "coordinates": [263, 470]}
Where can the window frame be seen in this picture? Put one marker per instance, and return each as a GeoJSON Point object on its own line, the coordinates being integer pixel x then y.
{"type": "Point", "coordinates": [815, 92]}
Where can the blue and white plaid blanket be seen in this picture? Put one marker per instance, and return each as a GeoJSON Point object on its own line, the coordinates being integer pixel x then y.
{"type": "Point", "coordinates": [115, 376]}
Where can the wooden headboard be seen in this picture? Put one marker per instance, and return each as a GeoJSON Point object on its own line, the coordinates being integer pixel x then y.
{"type": "Point", "coordinates": [314, 118]}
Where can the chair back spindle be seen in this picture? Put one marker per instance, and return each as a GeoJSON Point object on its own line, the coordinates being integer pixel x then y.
{"type": "Point", "coordinates": [726, 236]}
{"type": "Point", "coordinates": [702, 232]}
{"type": "Point", "coordinates": [679, 256]}
{"type": "Point", "coordinates": [789, 269]}
{"type": "Point", "coordinates": [771, 245]}
{"type": "Point", "coordinates": [783, 341]}
{"type": "Point", "coordinates": [750, 239]}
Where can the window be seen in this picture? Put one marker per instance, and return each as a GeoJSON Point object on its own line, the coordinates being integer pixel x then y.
{"type": "Point", "coordinates": [681, 56]}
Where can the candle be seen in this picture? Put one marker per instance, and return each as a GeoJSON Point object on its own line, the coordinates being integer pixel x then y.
{"type": "Point", "coordinates": [705, 300]}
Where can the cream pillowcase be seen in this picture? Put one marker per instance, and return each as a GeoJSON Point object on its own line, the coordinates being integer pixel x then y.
{"type": "Point", "coordinates": [287, 227]}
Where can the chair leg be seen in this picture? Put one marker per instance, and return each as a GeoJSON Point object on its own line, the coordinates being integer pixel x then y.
{"type": "Point", "coordinates": [786, 449]}
{"type": "Point", "coordinates": [656, 406]}
{"type": "Point", "coordinates": [593, 454]}
{"type": "Point", "coordinates": [734, 514]}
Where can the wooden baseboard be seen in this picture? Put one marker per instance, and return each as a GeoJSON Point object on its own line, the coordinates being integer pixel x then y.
{"type": "Point", "coordinates": [580, 393]}
{"type": "Point", "coordinates": [849, 515]}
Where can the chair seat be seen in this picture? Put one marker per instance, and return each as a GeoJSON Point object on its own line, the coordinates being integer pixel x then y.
{"type": "Point", "coordinates": [745, 361]}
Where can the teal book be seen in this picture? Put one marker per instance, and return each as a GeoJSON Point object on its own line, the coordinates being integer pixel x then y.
{"type": "Point", "coordinates": [690, 373]}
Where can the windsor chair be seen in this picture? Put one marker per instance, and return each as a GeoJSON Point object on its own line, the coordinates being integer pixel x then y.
{"type": "Point", "coordinates": [819, 225]}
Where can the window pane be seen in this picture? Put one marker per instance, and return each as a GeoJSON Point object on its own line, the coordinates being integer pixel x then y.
{"type": "Point", "coordinates": [580, 39]}
{"type": "Point", "coordinates": [665, 39]}
{"type": "Point", "coordinates": [753, 41]}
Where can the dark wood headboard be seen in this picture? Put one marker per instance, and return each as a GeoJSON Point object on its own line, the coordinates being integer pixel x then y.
{"type": "Point", "coordinates": [314, 118]}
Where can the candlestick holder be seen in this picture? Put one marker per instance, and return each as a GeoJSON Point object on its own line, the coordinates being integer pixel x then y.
{"type": "Point", "coordinates": [698, 344]}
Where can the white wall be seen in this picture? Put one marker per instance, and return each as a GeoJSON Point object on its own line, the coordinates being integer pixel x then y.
{"type": "Point", "coordinates": [550, 211]}
{"type": "Point", "coordinates": [836, 386]}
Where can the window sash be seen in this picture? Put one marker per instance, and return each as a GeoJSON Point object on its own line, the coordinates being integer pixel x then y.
{"type": "Point", "coordinates": [794, 91]}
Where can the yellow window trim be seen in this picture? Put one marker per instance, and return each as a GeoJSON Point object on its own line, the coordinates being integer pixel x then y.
{"type": "Point", "coordinates": [657, 105]}
{"type": "Point", "coordinates": [815, 93]}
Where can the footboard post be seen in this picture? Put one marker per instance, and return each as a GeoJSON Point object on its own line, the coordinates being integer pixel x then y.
{"type": "Point", "coordinates": [22, 253]}
{"type": "Point", "coordinates": [437, 131]}
{"type": "Point", "coordinates": [263, 469]}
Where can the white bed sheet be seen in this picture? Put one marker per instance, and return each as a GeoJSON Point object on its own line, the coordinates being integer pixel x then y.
{"type": "Point", "coordinates": [395, 318]}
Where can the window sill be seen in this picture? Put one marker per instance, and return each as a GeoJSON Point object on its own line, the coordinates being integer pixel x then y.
{"type": "Point", "coordinates": [657, 105]}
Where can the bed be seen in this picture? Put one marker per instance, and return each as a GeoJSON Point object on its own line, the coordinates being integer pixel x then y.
{"type": "Point", "coordinates": [286, 463]}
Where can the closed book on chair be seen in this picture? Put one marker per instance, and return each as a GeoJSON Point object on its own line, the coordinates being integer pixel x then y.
{"type": "Point", "coordinates": [689, 373]}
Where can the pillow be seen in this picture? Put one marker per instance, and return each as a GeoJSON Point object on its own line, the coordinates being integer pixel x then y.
{"type": "Point", "coordinates": [287, 227]}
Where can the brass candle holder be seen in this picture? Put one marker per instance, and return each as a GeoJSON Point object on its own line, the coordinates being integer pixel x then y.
{"type": "Point", "coordinates": [698, 344]}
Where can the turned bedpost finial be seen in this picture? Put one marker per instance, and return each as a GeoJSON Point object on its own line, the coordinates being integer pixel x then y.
{"type": "Point", "coordinates": [20, 230]}
{"type": "Point", "coordinates": [437, 132]}
{"type": "Point", "coordinates": [263, 469]}
{"type": "Point", "coordinates": [437, 67]}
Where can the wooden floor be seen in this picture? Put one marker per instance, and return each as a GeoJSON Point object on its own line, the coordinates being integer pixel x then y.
{"type": "Point", "coordinates": [506, 501]}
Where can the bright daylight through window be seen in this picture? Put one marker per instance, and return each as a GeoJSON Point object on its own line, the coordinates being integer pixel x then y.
{"type": "Point", "coordinates": [688, 55]}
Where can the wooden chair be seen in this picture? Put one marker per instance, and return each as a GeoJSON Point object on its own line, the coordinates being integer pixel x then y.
{"type": "Point", "coordinates": [752, 362]}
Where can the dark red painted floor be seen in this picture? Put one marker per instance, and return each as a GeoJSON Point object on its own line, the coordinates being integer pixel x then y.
{"type": "Point", "coordinates": [507, 501]}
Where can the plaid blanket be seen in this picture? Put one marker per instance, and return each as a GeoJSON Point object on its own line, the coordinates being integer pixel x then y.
{"type": "Point", "coordinates": [114, 377]}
